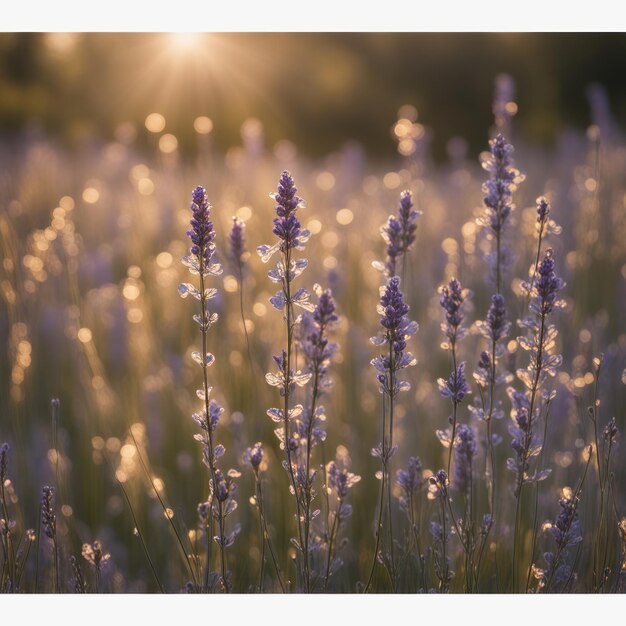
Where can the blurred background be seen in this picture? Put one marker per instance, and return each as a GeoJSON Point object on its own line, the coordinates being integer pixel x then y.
{"type": "Point", "coordinates": [317, 90]}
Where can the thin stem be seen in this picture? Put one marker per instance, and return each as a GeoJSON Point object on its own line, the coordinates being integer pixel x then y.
{"type": "Point", "coordinates": [243, 319]}
{"type": "Point", "coordinates": [165, 510]}
{"type": "Point", "coordinates": [267, 534]}
{"type": "Point", "coordinates": [333, 532]}
{"type": "Point", "coordinates": [534, 544]}
{"type": "Point", "coordinates": [454, 405]}
{"type": "Point", "coordinates": [528, 434]}
{"type": "Point", "coordinates": [390, 449]}
{"type": "Point", "coordinates": [308, 499]}
{"type": "Point", "coordinates": [9, 541]}
{"type": "Point", "coordinates": [378, 531]}
{"type": "Point", "coordinates": [288, 315]}
{"type": "Point", "coordinates": [140, 535]}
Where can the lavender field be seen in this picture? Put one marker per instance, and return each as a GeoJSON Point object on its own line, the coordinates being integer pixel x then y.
{"type": "Point", "coordinates": [253, 370]}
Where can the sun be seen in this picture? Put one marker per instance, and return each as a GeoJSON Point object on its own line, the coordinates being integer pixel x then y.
{"type": "Point", "coordinates": [183, 43]}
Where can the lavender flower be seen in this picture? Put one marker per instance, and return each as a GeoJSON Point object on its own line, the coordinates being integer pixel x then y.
{"type": "Point", "coordinates": [254, 456]}
{"type": "Point", "coordinates": [291, 237]}
{"type": "Point", "coordinates": [339, 482]}
{"type": "Point", "coordinates": [465, 450]}
{"type": "Point", "coordinates": [496, 326]}
{"type": "Point", "coordinates": [48, 518]}
{"type": "Point", "coordinates": [200, 262]}
{"type": "Point", "coordinates": [456, 387]}
{"type": "Point", "coordinates": [409, 481]}
{"type": "Point", "coordinates": [399, 233]}
{"type": "Point", "coordinates": [237, 241]}
{"type": "Point", "coordinates": [4, 450]}
{"type": "Point", "coordinates": [397, 329]}
{"type": "Point", "coordinates": [503, 181]}
{"type": "Point", "coordinates": [452, 298]}
{"type": "Point", "coordinates": [610, 432]}
{"type": "Point", "coordinates": [201, 234]}
{"type": "Point", "coordinates": [540, 343]}
{"type": "Point", "coordinates": [566, 533]}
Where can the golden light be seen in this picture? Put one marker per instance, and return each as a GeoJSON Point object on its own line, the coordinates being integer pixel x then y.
{"type": "Point", "coordinates": [185, 42]}
{"type": "Point", "coordinates": [203, 125]}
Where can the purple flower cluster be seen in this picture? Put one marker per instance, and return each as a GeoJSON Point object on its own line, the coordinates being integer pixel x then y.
{"type": "Point", "coordinates": [566, 532]}
{"type": "Point", "coordinates": [398, 328]}
{"type": "Point", "coordinates": [540, 341]}
{"type": "Point", "coordinates": [236, 240]}
{"type": "Point", "coordinates": [503, 180]}
{"type": "Point", "coordinates": [201, 233]}
{"type": "Point", "coordinates": [409, 480]}
{"type": "Point", "coordinates": [287, 227]}
{"type": "Point", "coordinates": [4, 450]}
{"type": "Point", "coordinates": [399, 232]}
{"type": "Point", "coordinates": [48, 518]}
{"type": "Point", "coordinates": [254, 456]}
{"type": "Point", "coordinates": [498, 189]}
{"type": "Point", "coordinates": [452, 297]}
{"type": "Point", "coordinates": [318, 352]}
{"type": "Point", "coordinates": [456, 387]}
{"type": "Point", "coordinates": [464, 451]}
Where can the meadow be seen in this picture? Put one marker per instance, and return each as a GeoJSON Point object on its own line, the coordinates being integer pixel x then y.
{"type": "Point", "coordinates": [253, 371]}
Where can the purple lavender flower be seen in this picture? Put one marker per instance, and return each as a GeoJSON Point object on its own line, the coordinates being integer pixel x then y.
{"type": "Point", "coordinates": [398, 328]}
{"type": "Point", "coordinates": [48, 518]}
{"type": "Point", "coordinates": [254, 456]}
{"type": "Point", "coordinates": [440, 481]}
{"type": "Point", "coordinates": [610, 431]}
{"type": "Point", "coordinates": [4, 450]}
{"type": "Point", "coordinates": [465, 450]}
{"type": "Point", "coordinates": [222, 487]}
{"type": "Point", "coordinates": [497, 326]}
{"type": "Point", "coordinates": [340, 480]}
{"type": "Point", "coordinates": [291, 236]}
{"type": "Point", "coordinates": [456, 387]}
{"type": "Point", "coordinates": [399, 233]}
{"type": "Point", "coordinates": [201, 233]}
{"type": "Point", "coordinates": [409, 481]}
{"type": "Point", "coordinates": [482, 375]}
{"type": "Point", "coordinates": [451, 300]}
{"type": "Point", "coordinates": [547, 286]}
{"type": "Point", "coordinates": [237, 241]}
{"type": "Point", "coordinates": [503, 181]}
{"type": "Point", "coordinates": [566, 533]}
{"type": "Point", "coordinates": [543, 211]}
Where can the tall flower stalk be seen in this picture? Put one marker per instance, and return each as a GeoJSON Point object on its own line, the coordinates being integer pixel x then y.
{"type": "Point", "coordinates": [317, 351]}
{"type": "Point", "coordinates": [527, 404]}
{"type": "Point", "coordinates": [495, 329]}
{"type": "Point", "coordinates": [200, 263]}
{"type": "Point", "coordinates": [340, 481]}
{"type": "Point", "coordinates": [49, 523]}
{"type": "Point", "coordinates": [452, 297]}
{"type": "Point", "coordinates": [291, 238]}
{"type": "Point", "coordinates": [397, 328]}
